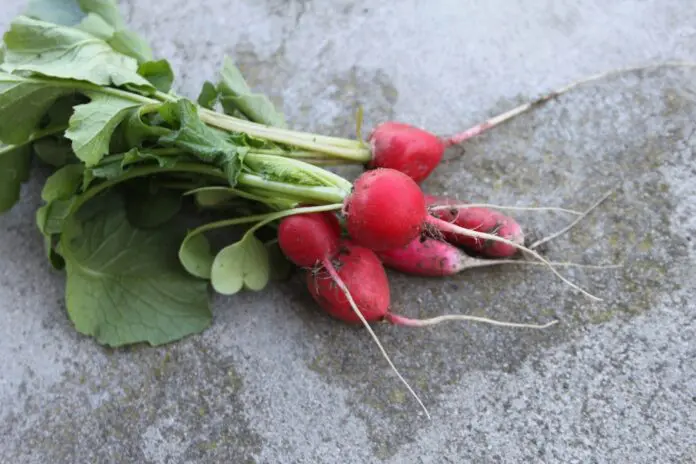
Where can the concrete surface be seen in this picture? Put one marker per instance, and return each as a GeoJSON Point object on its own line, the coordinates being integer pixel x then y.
{"type": "Point", "coordinates": [275, 381]}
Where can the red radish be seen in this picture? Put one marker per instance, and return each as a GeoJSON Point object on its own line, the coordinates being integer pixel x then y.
{"type": "Point", "coordinates": [407, 149]}
{"type": "Point", "coordinates": [362, 272]}
{"type": "Point", "coordinates": [480, 219]}
{"type": "Point", "coordinates": [306, 239]}
{"type": "Point", "coordinates": [385, 210]}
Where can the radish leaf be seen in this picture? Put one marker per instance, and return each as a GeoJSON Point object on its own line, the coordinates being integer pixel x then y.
{"type": "Point", "coordinates": [124, 285]}
{"type": "Point", "coordinates": [208, 96]}
{"type": "Point", "coordinates": [54, 151]}
{"type": "Point", "coordinates": [23, 103]}
{"type": "Point", "coordinates": [63, 183]}
{"type": "Point", "coordinates": [15, 162]}
{"type": "Point", "coordinates": [106, 9]}
{"type": "Point", "coordinates": [194, 137]}
{"type": "Point", "coordinates": [58, 192]}
{"type": "Point", "coordinates": [241, 265]}
{"type": "Point", "coordinates": [65, 52]}
{"type": "Point", "coordinates": [236, 95]}
{"type": "Point", "coordinates": [50, 218]}
{"type": "Point", "coordinates": [97, 26]}
{"type": "Point", "coordinates": [159, 73]}
{"type": "Point", "coordinates": [195, 255]}
{"type": "Point", "coordinates": [131, 44]}
{"type": "Point", "coordinates": [92, 125]}
{"type": "Point", "coordinates": [148, 206]}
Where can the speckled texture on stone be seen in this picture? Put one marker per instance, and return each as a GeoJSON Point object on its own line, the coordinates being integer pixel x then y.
{"type": "Point", "coordinates": [275, 381]}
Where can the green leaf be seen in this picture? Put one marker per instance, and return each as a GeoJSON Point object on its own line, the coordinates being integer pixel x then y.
{"type": "Point", "coordinates": [50, 218]}
{"type": "Point", "coordinates": [131, 44]}
{"type": "Point", "coordinates": [54, 151]}
{"type": "Point", "coordinates": [63, 184]}
{"type": "Point", "coordinates": [58, 115]}
{"type": "Point", "coordinates": [125, 286]}
{"type": "Point", "coordinates": [56, 260]}
{"type": "Point", "coordinates": [148, 207]}
{"type": "Point", "coordinates": [138, 156]}
{"type": "Point", "coordinates": [193, 136]}
{"type": "Point", "coordinates": [136, 130]}
{"type": "Point", "coordinates": [97, 26]}
{"type": "Point", "coordinates": [107, 9]}
{"type": "Point", "coordinates": [241, 265]}
{"type": "Point", "coordinates": [195, 255]}
{"type": "Point", "coordinates": [159, 73]}
{"type": "Point", "coordinates": [59, 194]}
{"type": "Point", "coordinates": [68, 53]}
{"type": "Point", "coordinates": [208, 96]}
{"type": "Point", "coordinates": [23, 104]}
{"type": "Point", "coordinates": [236, 94]}
{"type": "Point", "coordinates": [92, 125]}
{"type": "Point", "coordinates": [15, 162]}
{"type": "Point", "coordinates": [65, 12]}
{"type": "Point", "coordinates": [117, 166]}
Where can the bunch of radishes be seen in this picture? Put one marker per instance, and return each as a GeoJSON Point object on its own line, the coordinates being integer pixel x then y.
{"type": "Point", "coordinates": [388, 220]}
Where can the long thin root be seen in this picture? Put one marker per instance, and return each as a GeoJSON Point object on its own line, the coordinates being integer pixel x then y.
{"type": "Point", "coordinates": [339, 282]}
{"type": "Point", "coordinates": [513, 208]}
{"type": "Point", "coordinates": [477, 262]}
{"type": "Point", "coordinates": [508, 115]}
{"type": "Point", "coordinates": [407, 322]}
{"type": "Point", "coordinates": [572, 224]}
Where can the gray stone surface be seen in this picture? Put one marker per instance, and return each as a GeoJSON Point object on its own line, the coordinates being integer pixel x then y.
{"type": "Point", "coordinates": [275, 381]}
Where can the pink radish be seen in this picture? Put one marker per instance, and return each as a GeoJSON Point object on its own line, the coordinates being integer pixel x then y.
{"type": "Point", "coordinates": [430, 257]}
{"type": "Point", "coordinates": [306, 239]}
{"type": "Point", "coordinates": [387, 210]}
{"type": "Point", "coordinates": [480, 219]}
